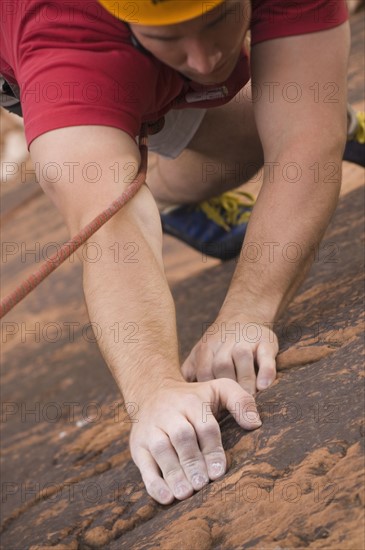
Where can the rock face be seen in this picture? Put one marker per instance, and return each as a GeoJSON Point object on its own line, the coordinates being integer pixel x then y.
{"type": "Point", "coordinates": [68, 482]}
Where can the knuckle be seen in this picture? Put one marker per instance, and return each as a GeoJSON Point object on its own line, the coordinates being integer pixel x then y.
{"type": "Point", "coordinates": [216, 455]}
{"type": "Point", "coordinates": [271, 367]}
{"type": "Point", "coordinates": [190, 464]}
{"type": "Point", "coordinates": [223, 366]}
{"type": "Point", "coordinates": [266, 354]}
{"type": "Point", "coordinates": [175, 476]}
{"type": "Point", "coordinates": [242, 352]}
{"type": "Point", "coordinates": [210, 431]}
{"type": "Point", "coordinates": [267, 367]}
{"type": "Point", "coordinates": [183, 436]}
{"type": "Point", "coordinates": [174, 473]}
{"type": "Point", "coordinates": [159, 447]}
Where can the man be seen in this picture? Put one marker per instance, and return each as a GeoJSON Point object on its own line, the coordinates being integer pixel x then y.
{"type": "Point", "coordinates": [88, 77]}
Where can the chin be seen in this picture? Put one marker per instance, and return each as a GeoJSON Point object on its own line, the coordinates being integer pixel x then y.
{"type": "Point", "coordinates": [216, 77]}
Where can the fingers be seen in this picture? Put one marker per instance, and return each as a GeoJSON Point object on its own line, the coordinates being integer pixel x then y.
{"type": "Point", "coordinates": [198, 366]}
{"type": "Point", "coordinates": [236, 363]}
{"type": "Point", "coordinates": [210, 442]}
{"type": "Point", "coordinates": [156, 487]}
{"type": "Point", "coordinates": [245, 370]}
{"type": "Point", "coordinates": [184, 440]}
{"type": "Point", "coordinates": [166, 458]}
{"type": "Point", "coordinates": [266, 360]}
{"type": "Point", "coordinates": [203, 365]}
{"type": "Point", "coordinates": [185, 452]}
{"type": "Point", "coordinates": [162, 459]}
{"type": "Point", "coordinates": [222, 365]}
{"type": "Point", "coordinates": [238, 402]}
{"type": "Point", "coordinates": [174, 465]}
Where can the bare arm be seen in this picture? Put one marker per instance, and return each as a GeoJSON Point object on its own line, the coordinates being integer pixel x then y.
{"type": "Point", "coordinates": [176, 441]}
{"type": "Point", "coordinates": [116, 291]}
{"type": "Point", "coordinates": [301, 120]}
{"type": "Point", "coordinates": [301, 83]}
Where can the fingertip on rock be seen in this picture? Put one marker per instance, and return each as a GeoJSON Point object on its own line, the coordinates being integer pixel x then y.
{"type": "Point", "coordinates": [216, 469]}
{"type": "Point", "coordinates": [165, 496]}
{"type": "Point", "coordinates": [253, 424]}
{"type": "Point", "coordinates": [263, 384]}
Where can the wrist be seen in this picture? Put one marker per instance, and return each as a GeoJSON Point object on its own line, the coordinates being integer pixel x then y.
{"type": "Point", "coordinates": [141, 388]}
{"type": "Point", "coordinates": [250, 308]}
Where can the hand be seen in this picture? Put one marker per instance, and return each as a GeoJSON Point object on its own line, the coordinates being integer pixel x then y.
{"type": "Point", "coordinates": [177, 443]}
{"type": "Point", "coordinates": [230, 348]}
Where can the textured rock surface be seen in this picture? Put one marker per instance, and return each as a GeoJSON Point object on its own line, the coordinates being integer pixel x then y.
{"type": "Point", "coordinates": [68, 482]}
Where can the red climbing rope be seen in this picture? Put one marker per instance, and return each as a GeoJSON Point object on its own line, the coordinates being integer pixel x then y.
{"type": "Point", "coordinates": [72, 245]}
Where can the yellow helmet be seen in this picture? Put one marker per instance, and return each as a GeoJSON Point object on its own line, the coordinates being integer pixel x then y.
{"type": "Point", "coordinates": [158, 12]}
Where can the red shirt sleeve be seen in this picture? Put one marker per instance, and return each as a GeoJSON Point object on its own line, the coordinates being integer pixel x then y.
{"type": "Point", "coordinates": [75, 65]}
{"type": "Point", "coordinates": [279, 18]}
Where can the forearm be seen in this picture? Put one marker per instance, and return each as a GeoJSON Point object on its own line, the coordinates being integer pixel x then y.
{"type": "Point", "coordinates": [129, 300]}
{"type": "Point", "coordinates": [126, 292]}
{"type": "Point", "coordinates": [287, 224]}
{"type": "Point", "coordinates": [306, 140]}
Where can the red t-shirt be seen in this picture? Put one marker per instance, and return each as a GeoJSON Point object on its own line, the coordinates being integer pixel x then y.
{"type": "Point", "coordinates": [76, 64]}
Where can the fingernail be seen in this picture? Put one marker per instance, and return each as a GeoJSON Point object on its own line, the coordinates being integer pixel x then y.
{"type": "Point", "coordinates": [217, 468]}
{"type": "Point", "coordinates": [181, 490]}
{"type": "Point", "coordinates": [164, 494]}
{"type": "Point", "coordinates": [265, 383]}
{"type": "Point", "coordinates": [199, 480]}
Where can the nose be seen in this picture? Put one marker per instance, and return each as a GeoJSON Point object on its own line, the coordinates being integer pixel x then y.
{"type": "Point", "coordinates": [202, 57]}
